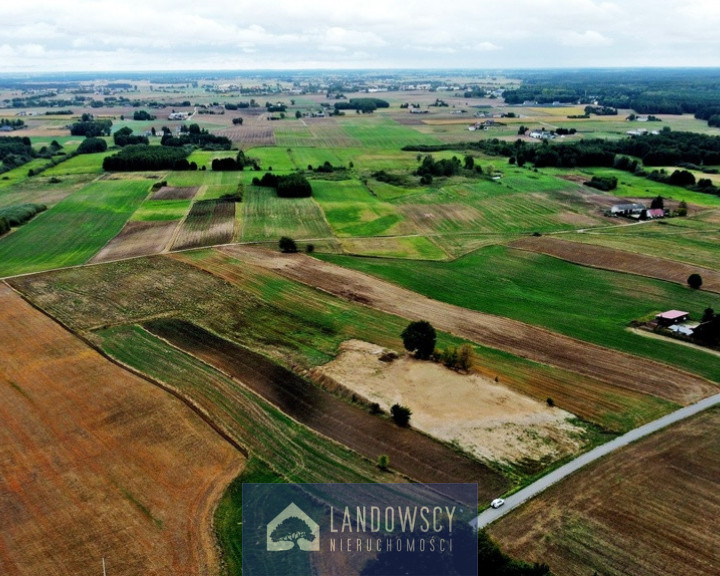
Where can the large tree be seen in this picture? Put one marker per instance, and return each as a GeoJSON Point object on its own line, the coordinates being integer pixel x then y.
{"type": "Point", "coordinates": [419, 338]}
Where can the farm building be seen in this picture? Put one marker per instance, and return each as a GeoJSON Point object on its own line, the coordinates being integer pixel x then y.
{"type": "Point", "coordinates": [656, 213]}
{"type": "Point", "coordinates": [672, 317]}
{"type": "Point", "coordinates": [630, 209]}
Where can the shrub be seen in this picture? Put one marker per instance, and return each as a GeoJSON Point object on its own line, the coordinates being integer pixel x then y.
{"type": "Point", "coordinates": [400, 415]}
{"type": "Point", "coordinates": [383, 461]}
{"type": "Point", "coordinates": [287, 245]}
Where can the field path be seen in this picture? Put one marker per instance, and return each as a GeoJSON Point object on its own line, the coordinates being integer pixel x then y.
{"type": "Point", "coordinates": [618, 260]}
{"type": "Point", "coordinates": [611, 366]}
{"type": "Point", "coordinates": [96, 462]}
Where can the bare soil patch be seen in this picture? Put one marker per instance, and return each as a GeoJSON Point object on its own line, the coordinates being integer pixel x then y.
{"type": "Point", "coordinates": [175, 193]}
{"type": "Point", "coordinates": [482, 417]}
{"type": "Point", "coordinates": [615, 368]}
{"type": "Point", "coordinates": [138, 239]}
{"type": "Point", "coordinates": [619, 260]}
{"type": "Point", "coordinates": [97, 462]}
{"type": "Point", "coordinates": [653, 508]}
{"type": "Point", "coordinates": [411, 453]}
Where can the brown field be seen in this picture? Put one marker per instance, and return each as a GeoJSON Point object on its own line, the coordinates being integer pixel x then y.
{"type": "Point", "coordinates": [654, 508]}
{"type": "Point", "coordinates": [484, 418]}
{"type": "Point", "coordinates": [521, 339]}
{"type": "Point", "coordinates": [175, 193]}
{"type": "Point", "coordinates": [619, 260]}
{"type": "Point", "coordinates": [209, 222]}
{"type": "Point", "coordinates": [138, 239]}
{"type": "Point", "coordinates": [97, 462]}
{"type": "Point", "coordinates": [414, 455]}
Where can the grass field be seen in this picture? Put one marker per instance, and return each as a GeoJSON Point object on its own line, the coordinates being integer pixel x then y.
{"type": "Point", "coordinates": [662, 516]}
{"type": "Point", "coordinates": [545, 291]}
{"type": "Point", "coordinates": [73, 230]}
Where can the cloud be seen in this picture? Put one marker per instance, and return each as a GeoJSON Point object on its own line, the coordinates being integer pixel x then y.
{"type": "Point", "coordinates": [136, 34]}
{"type": "Point", "coordinates": [588, 39]}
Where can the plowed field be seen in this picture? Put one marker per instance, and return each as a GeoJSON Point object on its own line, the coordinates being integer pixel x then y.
{"type": "Point", "coordinates": [138, 239]}
{"type": "Point", "coordinates": [616, 368]}
{"type": "Point", "coordinates": [619, 260]}
{"type": "Point", "coordinates": [653, 508]}
{"type": "Point", "coordinates": [98, 463]}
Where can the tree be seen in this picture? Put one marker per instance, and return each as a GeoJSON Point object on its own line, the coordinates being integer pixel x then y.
{"type": "Point", "coordinates": [419, 338]}
{"type": "Point", "coordinates": [287, 245]}
{"type": "Point", "coordinates": [400, 415]}
{"type": "Point", "coordinates": [292, 529]}
{"type": "Point", "coordinates": [92, 145]}
{"type": "Point", "coordinates": [708, 315]}
{"type": "Point", "coordinates": [694, 281]}
{"type": "Point", "coordinates": [657, 203]}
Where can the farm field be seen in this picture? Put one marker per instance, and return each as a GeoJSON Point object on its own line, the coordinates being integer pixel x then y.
{"type": "Point", "coordinates": [97, 462]}
{"type": "Point", "coordinates": [265, 217]}
{"type": "Point", "coordinates": [412, 454]}
{"type": "Point", "coordinates": [208, 222]}
{"type": "Point", "coordinates": [210, 337]}
{"type": "Point", "coordinates": [693, 241]}
{"type": "Point", "coordinates": [662, 517]}
{"type": "Point", "coordinates": [542, 291]}
{"type": "Point", "coordinates": [74, 229]}
{"type": "Point", "coordinates": [619, 260]}
{"type": "Point", "coordinates": [498, 332]}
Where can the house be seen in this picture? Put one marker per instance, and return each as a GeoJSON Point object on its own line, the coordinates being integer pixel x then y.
{"type": "Point", "coordinates": [672, 317]}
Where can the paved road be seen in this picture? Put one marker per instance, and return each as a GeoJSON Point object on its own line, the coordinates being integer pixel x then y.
{"type": "Point", "coordinates": [515, 500]}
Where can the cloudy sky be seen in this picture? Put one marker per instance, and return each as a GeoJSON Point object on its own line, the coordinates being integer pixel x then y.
{"type": "Point", "coordinates": [114, 35]}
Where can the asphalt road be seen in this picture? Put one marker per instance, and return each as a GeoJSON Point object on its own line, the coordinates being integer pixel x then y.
{"type": "Point", "coordinates": [515, 500]}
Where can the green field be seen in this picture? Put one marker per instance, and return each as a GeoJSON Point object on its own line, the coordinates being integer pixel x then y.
{"type": "Point", "coordinates": [265, 217]}
{"type": "Point", "coordinates": [585, 303]}
{"type": "Point", "coordinates": [162, 210]}
{"type": "Point", "coordinates": [73, 230]}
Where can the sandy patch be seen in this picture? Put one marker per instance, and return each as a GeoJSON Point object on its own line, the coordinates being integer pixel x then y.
{"type": "Point", "coordinates": [485, 418]}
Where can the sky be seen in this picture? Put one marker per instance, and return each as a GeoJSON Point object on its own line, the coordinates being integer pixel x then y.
{"type": "Point", "coordinates": [132, 35]}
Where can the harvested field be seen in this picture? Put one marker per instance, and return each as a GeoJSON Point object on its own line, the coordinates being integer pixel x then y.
{"type": "Point", "coordinates": [97, 462]}
{"type": "Point", "coordinates": [538, 344]}
{"type": "Point", "coordinates": [484, 418]}
{"type": "Point", "coordinates": [411, 453]}
{"type": "Point", "coordinates": [619, 260]}
{"type": "Point", "coordinates": [209, 222]}
{"type": "Point", "coordinates": [663, 515]}
{"type": "Point", "coordinates": [138, 239]}
{"type": "Point", "coordinates": [175, 193]}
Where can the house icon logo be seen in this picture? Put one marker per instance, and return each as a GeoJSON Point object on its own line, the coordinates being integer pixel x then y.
{"type": "Point", "coordinates": [293, 527]}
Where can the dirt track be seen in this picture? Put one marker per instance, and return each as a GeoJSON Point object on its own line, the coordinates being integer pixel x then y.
{"type": "Point", "coordinates": [538, 344]}
{"type": "Point", "coordinates": [619, 260]}
{"type": "Point", "coordinates": [96, 462]}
